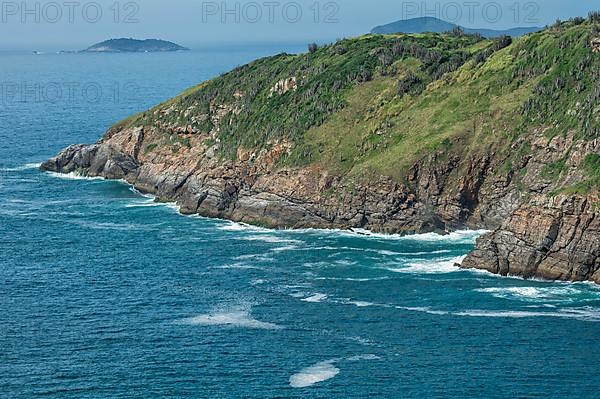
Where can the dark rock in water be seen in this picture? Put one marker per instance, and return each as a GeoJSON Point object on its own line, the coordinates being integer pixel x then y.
{"type": "Point", "coordinates": [92, 160]}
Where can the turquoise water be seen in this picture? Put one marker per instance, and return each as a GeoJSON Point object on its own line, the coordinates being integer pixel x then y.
{"type": "Point", "coordinates": [106, 294]}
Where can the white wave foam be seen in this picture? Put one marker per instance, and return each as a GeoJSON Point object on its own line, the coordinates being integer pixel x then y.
{"type": "Point", "coordinates": [309, 376]}
{"type": "Point", "coordinates": [361, 304]}
{"type": "Point", "coordinates": [248, 256]}
{"type": "Point", "coordinates": [583, 314]}
{"type": "Point", "coordinates": [384, 252]}
{"type": "Point", "coordinates": [560, 293]}
{"type": "Point", "coordinates": [238, 319]}
{"type": "Point", "coordinates": [298, 295]}
{"type": "Point", "coordinates": [286, 248]}
{"type": "Point", "coordinates": [361, 340]}
{"type": "Point", "coordinates": [110, 226]}
{"type": "Point", "coordinates": [423, 310]}
{"type": "Point", "coordinates": [368, 356]}
{"type": "Point", "coordinates": [354, 279]}
{"type": "Point", "coordinates": [73, 176]}
{"type": "Point", "coordinates": [270, 239]}
{"type": "Point", "coordinates": [459, 236]}
{"type": "Point", "coordinates": [430, 267]}
{"type": "Point", "coordinates": [254, 257]}
{"type": "Point", "coordinates": [27, 166]}
{"type": "Point", "coordinates": [345, 262]}
{"type": "Point", "coordinates": [456, 237]}
{"type": "Point", "coordinates": [143, 203]}
{"type": "Point", "coordinates": [141, 194]}
{"type": "Point", "coordinates": [315, 298]}
{"type": "Point", "coordinates": [233, 226]}
{"type": "Point", "coordinates": [240, 266]}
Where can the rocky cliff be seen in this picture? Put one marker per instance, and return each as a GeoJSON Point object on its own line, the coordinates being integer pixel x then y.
{"type": "Point", "coordinates": [396, 134]}
{"type": "Point", "coordinates": [550, 238]}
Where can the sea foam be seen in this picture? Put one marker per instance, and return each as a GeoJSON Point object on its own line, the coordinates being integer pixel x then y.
{"type": "Point", "coordinates": [27, 166]}
{"type": "Point", "coordinates": [236, 318]}
{"type": "Point", "coordinates": [583, 314]}
{"type": "Point", "coordinates": [368, 356]}
{"type": "Point", "coordinates": [309, 376]}
{"type": "Point", "coordinates": [555, 293]}
{"type": "Point", "coordinates": [73, 176]}
{"type": "Point", "coordinates": [430, 267]}
{"type": "Point", "coordinates": [270, 239]}
{"type": "Point", "coordinates": [315, 298]}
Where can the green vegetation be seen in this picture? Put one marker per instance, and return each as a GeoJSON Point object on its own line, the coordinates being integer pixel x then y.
{"type": "Point", "coordinates": [591, 170]}
{"type": "Point", "coordinates": [376, 104]}
{"type": "Point", "coordinates": [133, 46]}
{"type": "Point", "coordinates": [150, 148]}
{"type": "Point", "coordinates": [553, 170]}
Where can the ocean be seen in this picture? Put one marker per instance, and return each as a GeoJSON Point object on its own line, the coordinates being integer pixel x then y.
{"type": "Point", "coordinates": [105, 293]}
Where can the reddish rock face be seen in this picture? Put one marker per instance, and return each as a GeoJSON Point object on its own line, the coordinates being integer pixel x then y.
{"type": "Point", "coordinates": [550, 238]}
{"type": "Point", "coordinates": [536, 234]}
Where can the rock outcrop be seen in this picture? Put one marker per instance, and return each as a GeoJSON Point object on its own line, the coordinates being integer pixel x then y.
{"type": "Point", "coordinates": [545, 237]}
{"type": "Point", "coordinates": [250, 189]}
{"type": "Point", "coordinates": [550, 238]}
{"type": "Point", "coordinates": [510, 143]}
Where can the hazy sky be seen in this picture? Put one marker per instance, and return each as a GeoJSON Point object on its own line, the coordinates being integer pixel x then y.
{"type": "Point", "coordinates": [66, 24]}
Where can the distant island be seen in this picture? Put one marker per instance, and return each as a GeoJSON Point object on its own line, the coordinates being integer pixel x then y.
{"type": "Point", "coordinates": [134, 46]}
{"type": "Point", "coordinates": [431, 24]}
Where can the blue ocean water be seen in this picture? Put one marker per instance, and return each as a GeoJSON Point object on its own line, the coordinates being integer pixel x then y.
{"type": "Point", "coordinates": [107, 294]}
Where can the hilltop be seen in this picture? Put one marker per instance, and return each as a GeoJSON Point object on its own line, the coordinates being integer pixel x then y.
{"type": "Point", "coordinates": [431, 24]}
{"type": "Point", "coordinates": [133, 46]}
{"type": "Point", "coordinates": [393, 133]}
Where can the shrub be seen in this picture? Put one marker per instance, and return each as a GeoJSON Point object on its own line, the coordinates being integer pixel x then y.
{"type": "Point", "coordinates": [364, 75]}
{"type": "Point", "coordinates": [313, 47]}
{"type": "Point", "coordinates": [502, 42]}
{"type": "Point", "coordinates": [458, 31]}
{"type": "Point", "coordinates": [594, 17]}
{"type": "Point", "coordinates": [577, 20]}
{"type": "Point", "coordinates": [339, 49]}
{"type": "Point", "coordinates": [411, 83]}
{"type": "Point", "coordinates": [591, 165]}
{"type": "Point", "coordinates": [556, 26]}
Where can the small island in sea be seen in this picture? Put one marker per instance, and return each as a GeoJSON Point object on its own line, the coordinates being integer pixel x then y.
{"type": "Point", "coordinates": [134, 46]}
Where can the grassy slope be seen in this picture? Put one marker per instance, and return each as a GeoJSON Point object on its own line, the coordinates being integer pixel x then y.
{"type": "Point", "coordinates": [461, 93]}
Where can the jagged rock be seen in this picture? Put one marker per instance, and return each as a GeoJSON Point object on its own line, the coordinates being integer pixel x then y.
{"type": "Point", "coordinates": [551, 238]}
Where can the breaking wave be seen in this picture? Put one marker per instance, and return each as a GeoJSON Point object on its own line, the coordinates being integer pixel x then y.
{"type": "Point", "coordinates": [315, 298]}
{"type": "Point", "coordinates": [27, 166]}
{"type": "Point", "coordinates": [554, 293]}
{"type": "Point", "coordinates": [235, 318]}
{"type": "Point", "coordinates": [309, 376]}
{"type": "Point", "coordinates": [430, 267]}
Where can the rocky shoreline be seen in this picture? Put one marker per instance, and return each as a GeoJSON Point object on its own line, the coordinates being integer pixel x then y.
{"type": "Point", "coordinates": [538, 236]}
{"type": "Point", "coordinates": [393, 134]}
{"type": "Point", "coordinates": [548, 238]}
